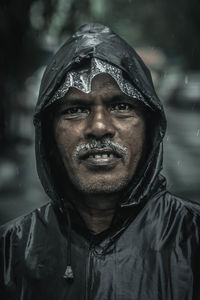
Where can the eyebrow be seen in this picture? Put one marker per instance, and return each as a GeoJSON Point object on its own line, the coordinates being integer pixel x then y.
{"type": "Point", "coordinates": [86, 101]}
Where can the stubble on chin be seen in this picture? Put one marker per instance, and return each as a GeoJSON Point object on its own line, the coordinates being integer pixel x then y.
{"type": "Point", "coordinates": [100, 186]}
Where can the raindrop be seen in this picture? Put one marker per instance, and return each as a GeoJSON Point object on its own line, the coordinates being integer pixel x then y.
{"type": "Point", "coordinates": [186, 79]}
{"type": "Point", "coordinates": [178, 162]}
{"type": "Point", "coordinates": [198, 132]}
{"type": "Point", "coordinates": [54, 67]}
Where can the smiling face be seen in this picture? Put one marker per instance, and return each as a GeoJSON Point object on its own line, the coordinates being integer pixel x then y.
{"type": "Point", "coordinates": [100, 136]}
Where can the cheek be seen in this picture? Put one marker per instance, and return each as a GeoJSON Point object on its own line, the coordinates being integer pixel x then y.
{"type": "Point", "coordinates": [64, 138]}
{"type": "Point", "coordinates": [134, 135]}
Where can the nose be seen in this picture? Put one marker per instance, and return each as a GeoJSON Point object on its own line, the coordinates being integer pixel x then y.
{"type": "Point", "coordinates": [99, 124]}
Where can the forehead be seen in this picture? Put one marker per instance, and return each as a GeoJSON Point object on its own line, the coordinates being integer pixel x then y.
{"type": "Point", "coordinates": [104, 81]}
{"type": "Point", "coordinates": [101, 85]}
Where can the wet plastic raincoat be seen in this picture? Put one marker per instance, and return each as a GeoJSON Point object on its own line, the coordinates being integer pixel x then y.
{"type": "Point", "coordinates": [152, 249]}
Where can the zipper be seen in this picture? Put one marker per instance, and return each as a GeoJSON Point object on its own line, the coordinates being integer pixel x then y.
{"type": "Point", "coordinates": [88, 273]}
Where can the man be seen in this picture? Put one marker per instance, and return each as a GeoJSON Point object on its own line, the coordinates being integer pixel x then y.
{"type": "Point", "coordinates": [111, 230]}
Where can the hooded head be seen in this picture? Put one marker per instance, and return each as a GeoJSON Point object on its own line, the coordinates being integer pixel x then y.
{"type": "Point", "coordinates": [97, 75]}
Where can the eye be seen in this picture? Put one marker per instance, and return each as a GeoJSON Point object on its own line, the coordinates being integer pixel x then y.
{"type": "Point", "coordinates": [121, 107]}
{"type": "Point", "coordinates": [75, 112]}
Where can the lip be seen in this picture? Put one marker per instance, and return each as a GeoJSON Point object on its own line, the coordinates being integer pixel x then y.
{"type": "Point", "coordinates": [101, 159]}
{"type": "Point", "coordinates": [99, 152]}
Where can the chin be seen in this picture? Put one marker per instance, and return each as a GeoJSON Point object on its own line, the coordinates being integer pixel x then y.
{"type": "Point", "coordinates": [101, 186]}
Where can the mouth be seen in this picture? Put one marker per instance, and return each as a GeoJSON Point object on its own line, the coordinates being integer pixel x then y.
{"type": "Point", "coordinates": [100, 158]}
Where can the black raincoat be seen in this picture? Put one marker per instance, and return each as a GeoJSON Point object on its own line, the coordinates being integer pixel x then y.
{"type": "Point", "coordinates": [152, 249]}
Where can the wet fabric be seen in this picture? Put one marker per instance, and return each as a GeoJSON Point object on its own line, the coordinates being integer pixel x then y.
{"type": "Point", "coordinates": [152, 248]}
{"type": "Point", "coordinates": [81, 79]}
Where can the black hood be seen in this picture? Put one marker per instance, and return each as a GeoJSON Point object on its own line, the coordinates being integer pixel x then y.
{"type": "Point", "coordinates": [95, 40]}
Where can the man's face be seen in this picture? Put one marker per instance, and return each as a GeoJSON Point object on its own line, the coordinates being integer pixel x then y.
{"type": "Point", "coordinates": [100, 136]}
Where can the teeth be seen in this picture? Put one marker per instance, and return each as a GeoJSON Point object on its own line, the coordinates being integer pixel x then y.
{"type": "Point", "coordinates": [104, 155]}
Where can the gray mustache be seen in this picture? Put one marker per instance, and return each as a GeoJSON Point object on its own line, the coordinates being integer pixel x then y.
{"type": "Point", "coordinates": [100, 144]}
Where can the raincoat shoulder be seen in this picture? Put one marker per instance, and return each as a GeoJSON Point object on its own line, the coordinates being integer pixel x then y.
{"type": "Point", "coordinates": [20, 242]}
{"type": "Point", "coordinates": [158, 253]}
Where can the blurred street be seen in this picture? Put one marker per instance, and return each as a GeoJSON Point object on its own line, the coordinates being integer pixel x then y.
{"type": "Point", "coordinates": [20, 189]}
{"type": "Point", "coordinates": [182, 152]}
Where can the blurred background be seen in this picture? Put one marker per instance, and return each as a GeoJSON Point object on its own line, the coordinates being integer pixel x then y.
{"type": "Point", "coordinates": [166, 35]}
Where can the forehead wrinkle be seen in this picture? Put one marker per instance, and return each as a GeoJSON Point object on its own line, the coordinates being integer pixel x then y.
{"type": "Point", "coordinates": [75, 95]}
{"type": "Point", "coordinates": [104, 80]}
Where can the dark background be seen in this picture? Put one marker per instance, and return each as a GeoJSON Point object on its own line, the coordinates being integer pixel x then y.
{"type": "Point", "coordinates": [165, 33]}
